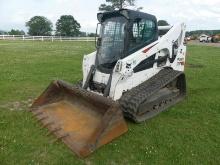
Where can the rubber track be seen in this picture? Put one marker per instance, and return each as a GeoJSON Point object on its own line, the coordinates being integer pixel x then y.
{"type": "Point", "coordinates": [131, 100]}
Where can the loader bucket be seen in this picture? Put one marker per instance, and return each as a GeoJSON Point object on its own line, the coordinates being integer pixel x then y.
{"type": "Point", "coordinates": [82, 120]}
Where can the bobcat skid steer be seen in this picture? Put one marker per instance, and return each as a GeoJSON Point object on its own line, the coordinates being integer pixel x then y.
{"type": "Point", "coordinates": [134, 73]}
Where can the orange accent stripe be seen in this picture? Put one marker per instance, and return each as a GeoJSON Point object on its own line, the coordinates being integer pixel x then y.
{"type": "Point", "coordinates": [146, 50]}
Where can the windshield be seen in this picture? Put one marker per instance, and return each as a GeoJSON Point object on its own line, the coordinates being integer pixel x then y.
{"type": "Point", "coordinates": [112, 41]}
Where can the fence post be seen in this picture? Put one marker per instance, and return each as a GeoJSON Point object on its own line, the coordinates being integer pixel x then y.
{"type": "Point", "coordinates": [3, 37]}
{"type": "Point", "coordinates": [33, 38]}
{"type": "Point", "coordinates": [52, 38]}
{"type": "Point", "coordinates": [23, 37]}
{"type": "Point", "coordinates": [42, 38]}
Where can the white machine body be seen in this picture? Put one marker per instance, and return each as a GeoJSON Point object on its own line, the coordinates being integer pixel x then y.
{"type": "Point", "coordinates": [123, 76]}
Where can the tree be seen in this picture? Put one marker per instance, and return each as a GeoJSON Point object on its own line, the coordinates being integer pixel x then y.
{"type": "Point", "coordinates": [162, 23]}
{"type": "Point", "coordinates": [116, 4]}
{"type": "Point", "coordinates": [92, 35]}
{"type": "Point", "coordinates": [16, 32]}
{"type": "Point", "coordinates": [67, 26]}
{"type": "Point", "coordinates": [199, 32]}
{"type": "Point", "coordinates": [3, 32]}
{"type": "Point", "coordinates": [82, 34]}
{"type": "Point", "coordinates": [39, 26]}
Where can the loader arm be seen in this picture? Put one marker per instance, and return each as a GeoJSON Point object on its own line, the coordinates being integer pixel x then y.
{"type": "Point", "coordinates": [125, 77]}
{"type": "Point", "coordinates": [176, 33]}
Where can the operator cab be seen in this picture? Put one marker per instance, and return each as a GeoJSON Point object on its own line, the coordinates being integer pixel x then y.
{"type": "Point", "coordinates": [122, 33]}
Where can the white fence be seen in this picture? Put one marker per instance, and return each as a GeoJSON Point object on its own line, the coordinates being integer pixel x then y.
{"type": "Point", "coordinates": [45, 38]}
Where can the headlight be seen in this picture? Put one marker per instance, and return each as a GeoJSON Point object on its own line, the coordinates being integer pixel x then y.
{"type": "Point", "coordinates": [118, 66]}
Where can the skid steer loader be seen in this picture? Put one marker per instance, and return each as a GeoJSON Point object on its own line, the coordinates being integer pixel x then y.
{"type": "Point", "coordinates": [134, 73]}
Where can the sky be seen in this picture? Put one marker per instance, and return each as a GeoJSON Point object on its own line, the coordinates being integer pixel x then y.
{"type": "Point", "coordinates": [197, 14]}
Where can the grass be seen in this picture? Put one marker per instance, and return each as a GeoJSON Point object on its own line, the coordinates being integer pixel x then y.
{"type": "Point", "coordinates": [189, 133]}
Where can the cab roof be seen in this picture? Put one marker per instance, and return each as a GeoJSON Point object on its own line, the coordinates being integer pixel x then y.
{"type": "Point", "coordinates": [128, 14]}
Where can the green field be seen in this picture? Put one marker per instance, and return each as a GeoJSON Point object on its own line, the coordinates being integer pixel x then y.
{"type": "Point", "coordinates": [189, 133]}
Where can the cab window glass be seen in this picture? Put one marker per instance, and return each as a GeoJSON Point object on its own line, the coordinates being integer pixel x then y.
{"type": "Point", "coordinates": [143, 31]}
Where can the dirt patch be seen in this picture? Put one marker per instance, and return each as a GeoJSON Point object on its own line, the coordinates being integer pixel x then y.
{"type": "Point", "coordinates": [204, 44]}
{"type": "Point", "coordinates": [18, 105]}
{"type": "Point", "coordinates": [195, 66]}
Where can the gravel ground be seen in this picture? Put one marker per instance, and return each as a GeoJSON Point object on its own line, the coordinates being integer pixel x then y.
{"type": "Point", "coordinates": [204, 44]}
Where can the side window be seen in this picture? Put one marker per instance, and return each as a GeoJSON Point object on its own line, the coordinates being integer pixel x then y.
{"type": "Point", "coordinates": [142, 31]}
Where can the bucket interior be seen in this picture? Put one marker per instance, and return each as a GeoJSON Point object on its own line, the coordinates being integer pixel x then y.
{"type": "Point", "coordinates": [77, 118]}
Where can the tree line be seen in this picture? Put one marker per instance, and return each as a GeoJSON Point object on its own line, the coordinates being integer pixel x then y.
{"type": "Point", "coordinates": [197, 33]}
{"type": "Point", "coordinates": [66, 25]}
